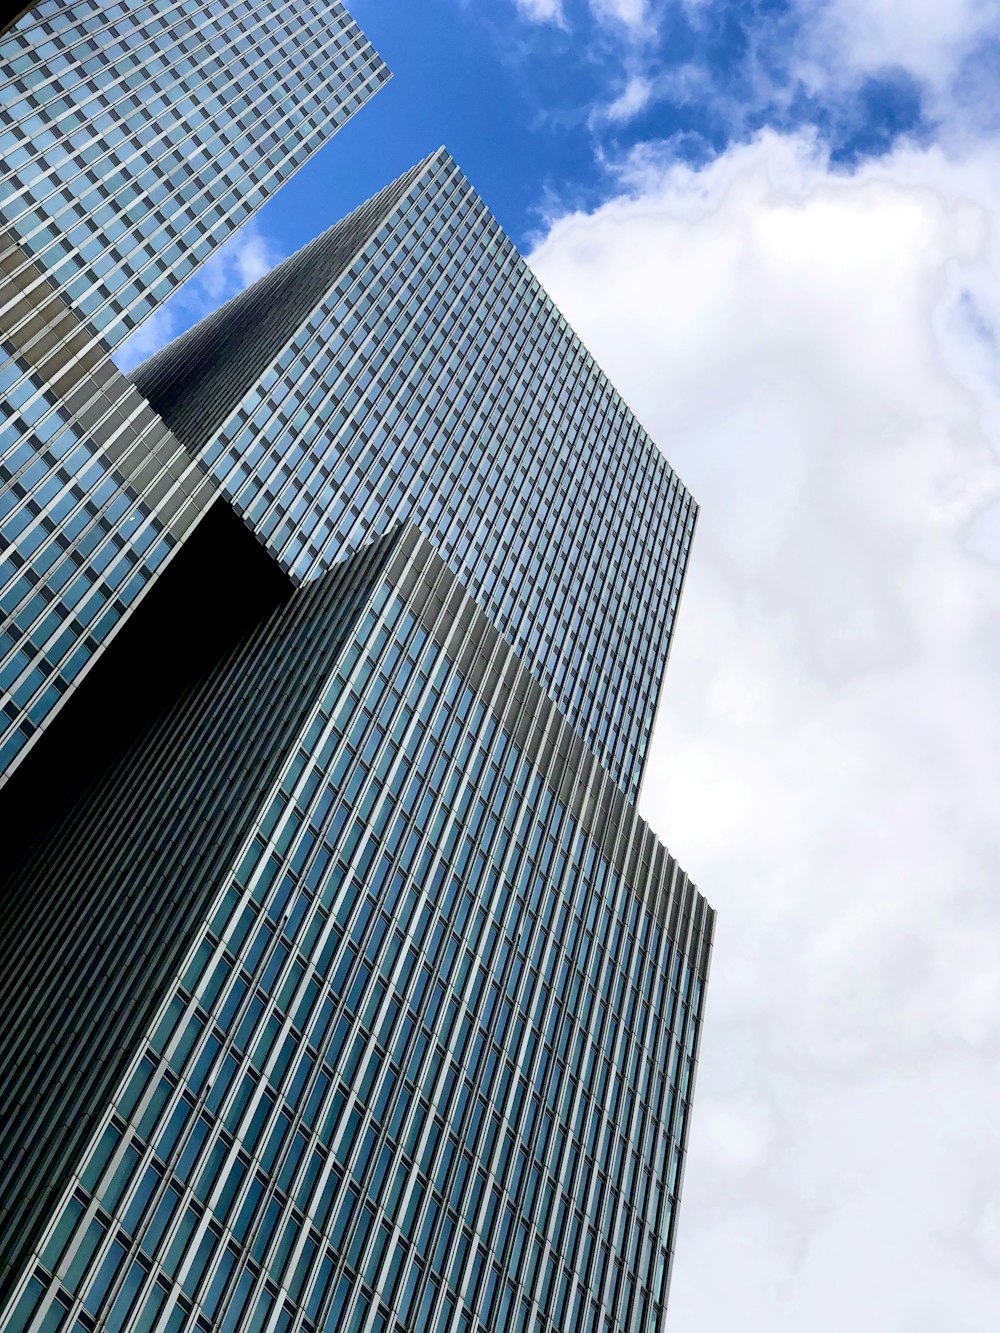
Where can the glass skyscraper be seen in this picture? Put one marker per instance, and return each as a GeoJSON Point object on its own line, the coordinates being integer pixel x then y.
{"type": "Point", "coordinates": [416, 1043]}
{"type": "Point", "coordinates": [134, 138]}
{"type": "Point", "coordinates": [343, 986]}
{"type": "Point", "coordinates": [95, 494]}
{"type": "Point", "coordinates": [407, 364]}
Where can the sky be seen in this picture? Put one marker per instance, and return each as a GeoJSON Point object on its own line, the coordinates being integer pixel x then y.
{"type": "Point", "coordinates": [776, 223]}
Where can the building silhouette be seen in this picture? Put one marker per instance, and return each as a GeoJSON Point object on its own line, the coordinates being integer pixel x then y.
{"type": "Point", "coordinates": [344, 987]}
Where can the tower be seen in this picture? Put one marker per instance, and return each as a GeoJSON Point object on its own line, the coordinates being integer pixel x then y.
{"type": "Point", "coordinates": [343, 985]}
{"type": "Point", "coordinates": [134, 139]}
{"type": "Point", "coordinates": [408, 365]}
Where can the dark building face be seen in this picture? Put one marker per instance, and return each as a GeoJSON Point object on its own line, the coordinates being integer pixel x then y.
{"type": "Point", "coordinates": [342, 985]}
{"type": "Point", "coordinates": [417, 1042]}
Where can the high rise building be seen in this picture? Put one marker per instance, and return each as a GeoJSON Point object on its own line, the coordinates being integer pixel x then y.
{"type": "Point", "coordinates": [408, 1040]}
{"type": "Point", "coordinates": [408, 364]}
{"type": "Point", "coordinates": [95, 494]}
{"type": "Point", "coordinates": [342, 985]}
{"type": "Point", "coordinates": [134, 139]}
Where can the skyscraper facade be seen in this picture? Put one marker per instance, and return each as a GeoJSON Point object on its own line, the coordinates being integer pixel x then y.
{"type": "Point", "coordinates": [343, 986]}
{"type": "Point", "coordinates": [408, 364]}
{"type": "Point", "coordinates": [95, 494]}
{"type": "Point", "coordinates": [414, 1048]}
{"type": "Point", "coordinates": [134, 139]}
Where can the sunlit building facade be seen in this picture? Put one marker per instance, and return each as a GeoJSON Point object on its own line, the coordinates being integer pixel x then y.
{"type": "Point", "coordinates": [136, 137]}
{"type": "Point", "coordinates": [95, 494]}
{"type": "Point", "coordinates": [408, 365]}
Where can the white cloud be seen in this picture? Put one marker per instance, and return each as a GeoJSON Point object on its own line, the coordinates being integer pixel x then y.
{"type": "Point", "coordinates": [630, 102]}
{"type": "Point", "coordinates": [147, 339]}
{"type": "Point", "coordinates": [542, 11]}
{"type": "Point", "coordinates": [814, 53]}
{"type": "Point", "coordinates": [929, 38]}
{"type": "Point", "coordinates": [241, 260]}
{"type": "Point", "coordinates": [633, 14]}
{"type": "Point", "coordinates": [254, 257]}
{"type": "Point", "coordinates": [818, 355]}
{"type": "Point", "coordinates": [948, 47]}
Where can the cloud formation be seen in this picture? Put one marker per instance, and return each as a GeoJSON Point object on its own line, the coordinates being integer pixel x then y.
{"type": "Point", "coordinates": [542, 11]}
{"type": "Point", "coordinates": [931, 38]}
{"type": "Point", "coordinates": [633, 15]}
{"type": "Point", "coordinates": [630, 102]}
{"type": "Point", "coordinates": [818, 354]}
{"type": "Point", "coordinates": [949, 49]}
{"type": "Point", "coordinates": [863, 74]}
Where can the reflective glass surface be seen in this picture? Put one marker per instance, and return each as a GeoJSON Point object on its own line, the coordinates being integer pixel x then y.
{"type": "Point", "coordinates": [136, 136]}
{"type": "Point", "coordinates": [429, 1062]}
{"type": "Point", "coordinates": [77, 547]}
{"type": "Point", "coordinates": [426, 375]}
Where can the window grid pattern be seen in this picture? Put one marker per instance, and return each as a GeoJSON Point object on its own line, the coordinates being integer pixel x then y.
{"type": "Point", "coordinates": [429, 1065]}
{"type": "Point", "coordinates": [77, 548]}
{"type": "Point", "coordinates": [136, 136]}
{"type": "Point", "coordinates": [105, 906]}
{"type": "Point", "coordinates": [435, 381]}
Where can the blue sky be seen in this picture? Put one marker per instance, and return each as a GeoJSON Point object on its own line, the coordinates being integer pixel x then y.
{"type": "Point", "coordinates": [523, 105]}
{"type": "Point", "coordinates": [546, 103]}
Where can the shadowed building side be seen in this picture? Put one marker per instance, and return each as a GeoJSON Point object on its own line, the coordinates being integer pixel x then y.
{"type": "Point", "coordinates": [99, 911]}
